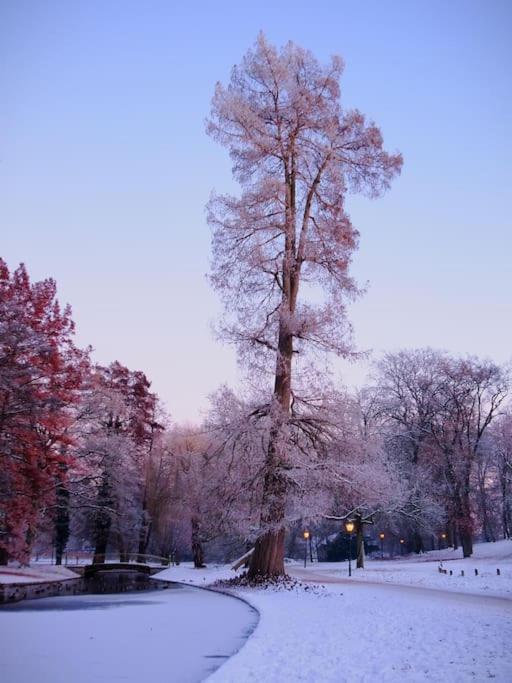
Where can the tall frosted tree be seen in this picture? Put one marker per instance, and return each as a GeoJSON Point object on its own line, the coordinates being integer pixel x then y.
{"type": "Point", "coordinates": [282, 248]}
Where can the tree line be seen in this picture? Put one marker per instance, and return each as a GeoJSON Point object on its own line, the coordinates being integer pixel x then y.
{"type": "Point", "coordinates": [91, 460]}
{"type": "Point", "coordinates": [425, 447]}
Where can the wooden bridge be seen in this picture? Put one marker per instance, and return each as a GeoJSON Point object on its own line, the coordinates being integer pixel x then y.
{"type": "Point", "coordinates": [85, 562]}
{"type": "Point", "coordinates": [92, 569]}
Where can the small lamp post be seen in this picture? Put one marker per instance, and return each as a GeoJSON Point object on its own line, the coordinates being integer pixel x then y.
{"type": "Point", "coordinates": [443, 537]}
{"type": "Point", "coordinates": [402, 541]}
{"type": "Point", "coordinates": [349, 526]}
{"type": "Point", "coordinates": [381, 536]}
{"type": "Point", "coordinates": [306, 536]}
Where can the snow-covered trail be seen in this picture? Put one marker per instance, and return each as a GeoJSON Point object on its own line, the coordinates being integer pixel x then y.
{"type": "Point", "coordinates": [367, 633]}
{"type": "Point", "coordinates": [476, 599]}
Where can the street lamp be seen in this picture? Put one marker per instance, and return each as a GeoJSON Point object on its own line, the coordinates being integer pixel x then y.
{"type": "Point", "coordinates": [349, 526]}
{"type": "Point", "coordinates": [306, 536]}
{"type": "Point", "coordinates": [443, 536]}
{"type": "Point", "coordinates": [381, 536]}
{"type": "Point", "coordinates": [402, 541]}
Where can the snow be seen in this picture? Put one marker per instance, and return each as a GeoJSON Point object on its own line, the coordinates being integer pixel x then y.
{"type": "Point", "coordinates": [365, 629]}
{"type": "Point", "coordinates": [170, 635]}
{"type": "Point", "coordinates": [367, 633]}
{"type": "Point", "coordinates": [395, 620]}
{"type": "Point", "coordinates": [35, 574]}
{"type": "Point", "coordinates": [423, 571]}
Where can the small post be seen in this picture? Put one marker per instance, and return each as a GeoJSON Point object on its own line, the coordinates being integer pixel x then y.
{"type": "Point", "coordinates": [476, 572]}
{"type": "Point", "coordinates": [349, 526]}
{"type": "Point", "coordinates": [498, 573]}
{"type": "Point", "coordinates": [451, 572]}
{"type": "Point", "coordinates": [462, 572]}
{"type": "Point", "coordinates": [306, 536]}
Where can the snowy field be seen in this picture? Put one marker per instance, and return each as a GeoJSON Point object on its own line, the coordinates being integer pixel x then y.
{"type": "Point", "coordinates": [396, 620]}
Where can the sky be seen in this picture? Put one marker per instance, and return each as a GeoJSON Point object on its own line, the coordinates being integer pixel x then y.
{"type": "Point", "coordinates": [105, 169]}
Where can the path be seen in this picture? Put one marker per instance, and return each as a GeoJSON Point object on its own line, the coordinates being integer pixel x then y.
{"type": "Point", "coordinates": [431, 593]}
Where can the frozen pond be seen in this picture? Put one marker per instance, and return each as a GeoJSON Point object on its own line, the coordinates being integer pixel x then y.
{"type": "Point", "coordinates": [181, 634]}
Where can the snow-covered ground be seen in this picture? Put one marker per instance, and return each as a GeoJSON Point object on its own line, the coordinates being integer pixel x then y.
{"type": "Point", "coordinates": [396, 620]}
{"type": "Point", "coordinates": [365, 630]}
{"type": "Point", "coordinates": [423, 570]}
{"type": "Point", "coordinates": [35, 574]}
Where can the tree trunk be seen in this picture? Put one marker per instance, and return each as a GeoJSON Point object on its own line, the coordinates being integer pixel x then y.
{"type": "Point", "coordinates": [102, 522]}
{"type": "Point", "coordinates": [417, 540]}
{"type": "Point", "coordinates": [4, 557]}
{"type": "Point", "coordinates": [268, 558]}
{"type": "Point", "coordinates": [484, 510]}
{"type": "Point", "coordinates": [359, 542]}
{"type": "Point", "coordinates": [61, 522]}
{"type": "Point", "coordinates": [100, 547]}
{"type": "Point", "coordinates": [197, 548]}
{"type": "Point", "coordinates": [466, 540]}
{"type": "Point", "coordinates": [506, 507]}
{"type": "Point", "coordinates": [455, 535]}
{"type": "Point", "coordinates": [465, 524]}
{"type": "Point", "coordinates": [122, 549]}
{"type": "Point", "coordinates": [143, 534]}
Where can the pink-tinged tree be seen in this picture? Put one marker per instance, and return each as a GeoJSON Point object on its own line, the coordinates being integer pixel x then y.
{"type": "Point", "coordinates": [282, 249]}
{"type": "Point", "coordinates": [408, 386]}
{"type": "Point", "coordinates": [117, 440]}
{"type": "Point", "coordinates": [369, 483]}
{"type": "Point", "coordinates": [41, 374]}
{"type": "Point", "coordinates": [472, 395]}
{"type": "Point", "coordinates": [440, 409]}
{"type": "Point", "coordinates": [501, 446]}
{"type": "Point", "coordinates": [142, 426]}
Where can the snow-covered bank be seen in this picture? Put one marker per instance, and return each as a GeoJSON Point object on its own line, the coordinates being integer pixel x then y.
{"type": "Point", "coordinates": [350, 632]}
{"type": "Point", "coordinates": [35, 574]}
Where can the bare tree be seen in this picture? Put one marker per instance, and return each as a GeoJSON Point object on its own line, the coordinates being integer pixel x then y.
{"type": "Point", "coordinates": [502, 447]}
{"type": "Point", "coordinates": [295, 153]}
{"type": "Point", "coordinates": [442, 408]}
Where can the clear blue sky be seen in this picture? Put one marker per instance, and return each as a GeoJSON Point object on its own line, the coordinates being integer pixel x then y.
{"type": "Point", "coordinates": [105, 169]}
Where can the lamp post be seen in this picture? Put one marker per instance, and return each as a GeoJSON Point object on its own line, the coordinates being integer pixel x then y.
{"type": "Point", "coordinates": [381, 536]}
{"type": "Point", "coordinates": [443, 537]}
{"type": "Point", "coordinates": [306, 536]}
{"type": "Point", "coordinates": [402, 541]}
{"type": "Point", "coordinates": [349, 526]}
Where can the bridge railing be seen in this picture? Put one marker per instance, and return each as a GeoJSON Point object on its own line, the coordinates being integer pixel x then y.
{"type": "Point", "coordinates": [78, 557]}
